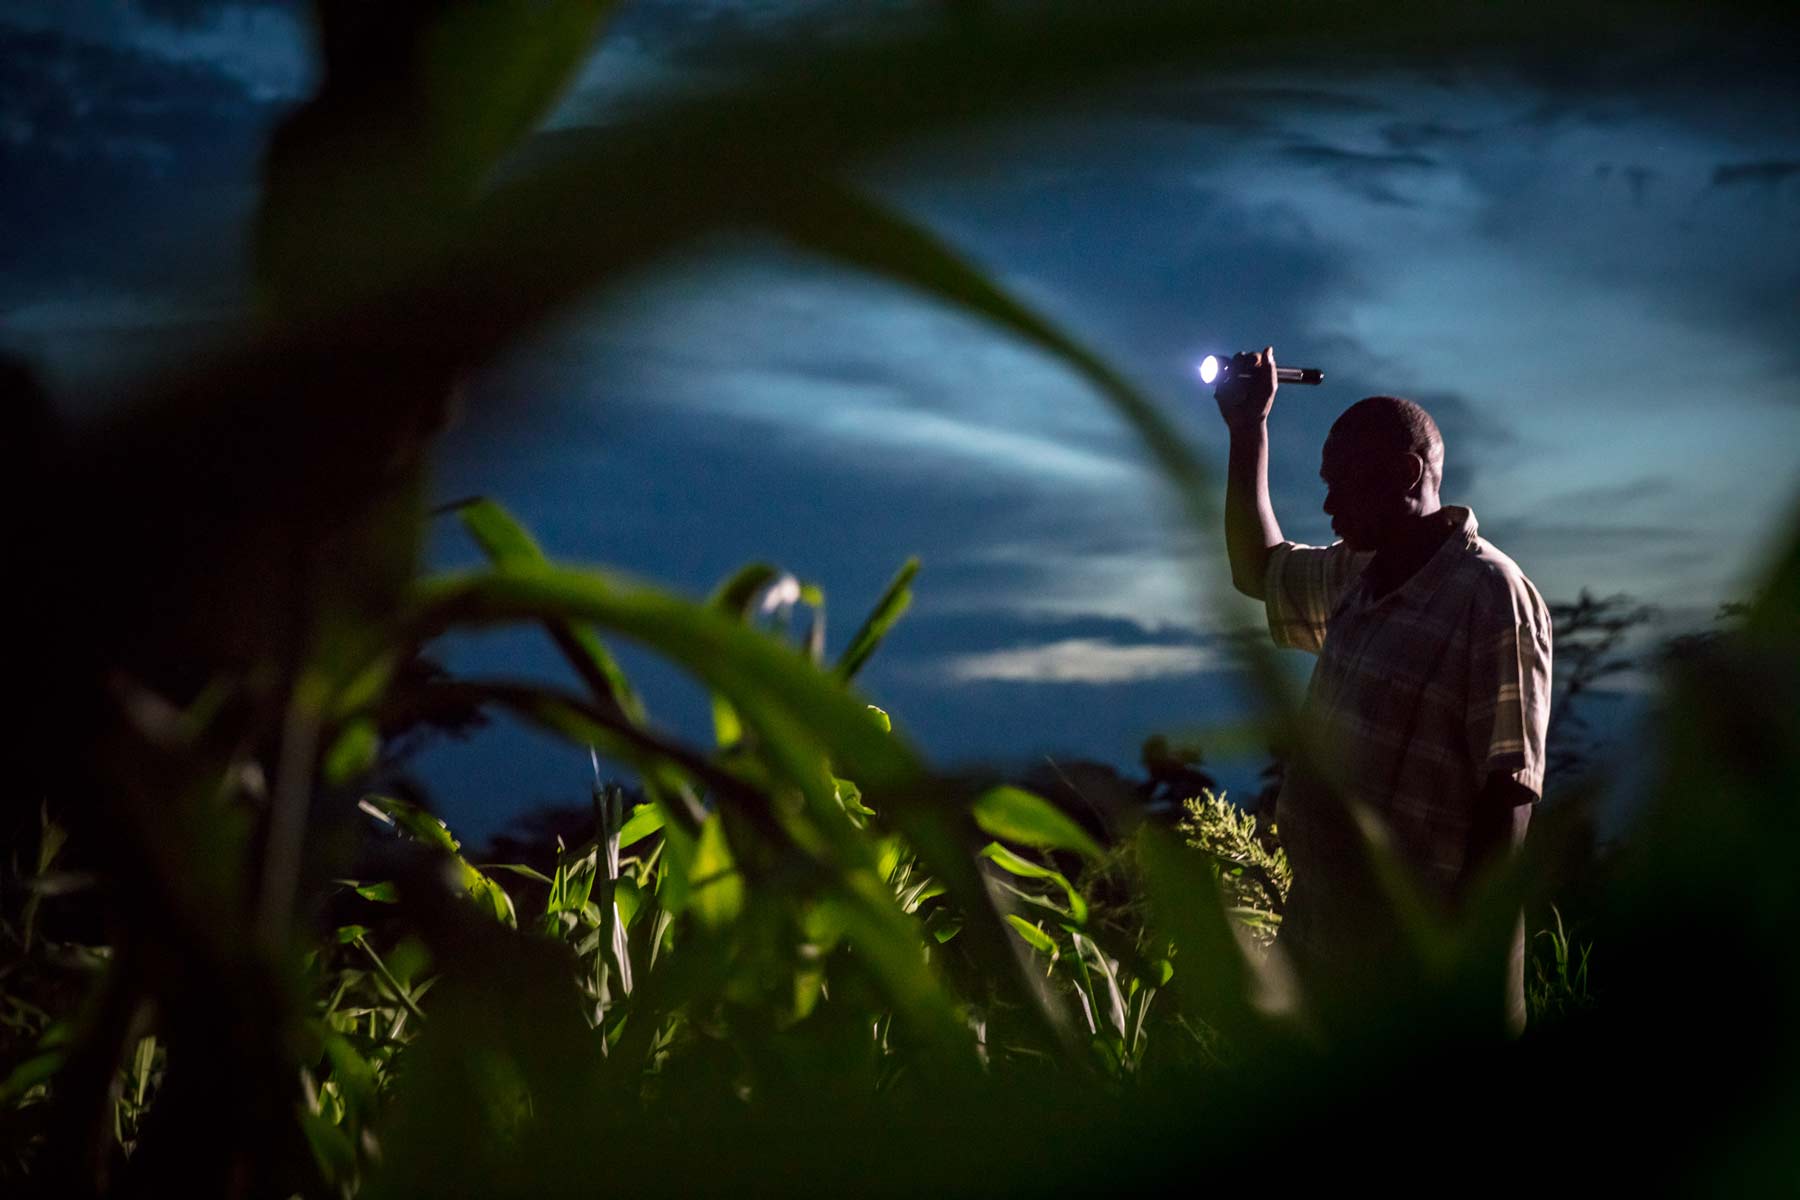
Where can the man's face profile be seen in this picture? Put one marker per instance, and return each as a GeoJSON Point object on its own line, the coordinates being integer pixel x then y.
{"type": "Point", "coordinates": [1367, 482]}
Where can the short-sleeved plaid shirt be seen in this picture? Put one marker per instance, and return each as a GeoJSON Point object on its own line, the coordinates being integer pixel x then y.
{"type": "Point", "coordinates": [1420, 696]}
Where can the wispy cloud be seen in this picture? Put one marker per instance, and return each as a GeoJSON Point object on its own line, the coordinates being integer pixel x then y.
{"type": "Point", "coordinates": [263, 46]}
{"type": "Point", "coordinates": [1768, 174]}
{"type": "Point", "coordinates": [1626, 494]}
{"type": "Point", "coordinates": [1375, 176]}
{"type": "Point", "coordinates": [1249, 108]}
{"type": "Point", "coordinates": [996, 449]}
{"type": "Point", "coordinates": [1084, 660]}
{"type": "Point", "coordinates": [1411, 135]}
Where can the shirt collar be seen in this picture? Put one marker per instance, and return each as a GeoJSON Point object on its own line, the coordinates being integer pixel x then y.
{"type": "Point", "coordinates": [1417, 590]}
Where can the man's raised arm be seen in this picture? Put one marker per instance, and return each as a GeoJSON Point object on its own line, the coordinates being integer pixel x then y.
{"type": "Point", "coordinates": [1251, 529]}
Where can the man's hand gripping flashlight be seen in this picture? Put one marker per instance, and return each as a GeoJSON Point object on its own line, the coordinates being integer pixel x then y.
{"type": "Point", "coordinates": [1216, 368]}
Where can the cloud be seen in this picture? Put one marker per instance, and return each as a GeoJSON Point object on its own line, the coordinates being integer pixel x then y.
{"type": "Point", "coordinates": [1766, 174]}
{"type": "Point", "coordinates": [1102, 562]}
{"type": "Point", "coordinates": [1335, 156]}
{"type": "Point", "coordinates": [261, 45]}
{"type": "Point", "coordinates": [1411, 135]}
{"type": "Point", "coordinates": [1474, 438]}
{"type": "Point", "coordinates": [1629, 493]}
{"type": "Point", "coordinates": [1083, 660]}
{"type": "Point", "coordinates": [1637, 178]}
{"type": "Point", "coordinates": [1665, 563]}
{"type": "Point", "coordinates": [1376, 176]}
{"type": "Point", "coordinates": [119, 165]}
{"type": "Point", "coordinates": [1245, 109]}
{"type": "Point", "coordinates": [850, 366]}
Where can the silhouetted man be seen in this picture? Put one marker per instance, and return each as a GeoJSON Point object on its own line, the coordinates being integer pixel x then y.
{"type": "Point", "coordinates": [1432, 690]}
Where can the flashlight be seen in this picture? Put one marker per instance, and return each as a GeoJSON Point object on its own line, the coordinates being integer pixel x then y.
{"type": "Point", "coordinates": [1216, 368]}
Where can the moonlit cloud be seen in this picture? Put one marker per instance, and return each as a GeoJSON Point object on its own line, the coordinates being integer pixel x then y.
{"type": "Point", "coordinates": [1082, 660]}
{"type": "Point", "coordinates": [264, 47]}
{"type": "Point", "coordinates": [1142, 583]}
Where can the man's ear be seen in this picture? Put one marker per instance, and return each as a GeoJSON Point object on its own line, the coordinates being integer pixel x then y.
{"type": "Point", "coordinates": [1413, 470]}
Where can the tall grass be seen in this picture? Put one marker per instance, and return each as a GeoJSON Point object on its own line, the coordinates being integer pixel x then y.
{"type": "Point", "coordinates": [807, 960]}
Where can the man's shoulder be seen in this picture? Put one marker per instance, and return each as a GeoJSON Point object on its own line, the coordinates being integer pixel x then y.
{"type": "Point", "coordinates": [1498, 584]}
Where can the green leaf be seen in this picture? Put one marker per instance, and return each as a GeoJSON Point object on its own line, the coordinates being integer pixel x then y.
{"type": "Point", "coordinates": [28, 1074]}
{"type": "Point", "coordinates": [353, 752]}
{"type": "Point", "coordinates": [384, 892]}
{"type": "Point", "coordinates": [1115, 1000]}
{"type": "Point", "coordinates": [715, 889]}
{"type": "Point", "coordinates": [679, 849]}
{"type": "Point", "coordinates": [801, 712]}
{"type": "Point", "coordinates": [504, 540]}
{"type": "Point", "coordinates": [628, 900]}
{"type": "Point", "coordinates": [354, 1076]}
{"type": "Point", "coordinates": [497, 532]}
{"type": "Point", "coordinates": [850, 796]}
{"type": "Point", "coordinates": [733, 596]}
{"type": "Point", "coordinates": [888, 854]}
{"type": "Point", "coordinates": [665, 766]}
{"type": "Point", "coordinates": [1006, 860]}
{"type": "Point", "coordinates": [822, 923]}
{"type": "Point", "coordinates": [416, 821]}
{"type": "Point", "coordinates": [519, 869]}
{"type": "Point", "coordinates": [51, 840]}
{"type": "Point", "coordinates": [888, 609]}
{"type": "Point", "coordinates": [489, 896]}
{"type": "Point", "coordinates": [1030, 820]}
{"type": "Point", "coordinates": [572, 885]}
{"type": "Point", "coordinates": [332, 1149]}
{"type": "Point", "coordinates": [728, 730]}
{"type": "Point", "coordinates": [1210, 971]}
{"type": "Point", "coordinates": [1036, 938]}
{"type": "Point", "coordinates": [489, 72]}
{"type": "Point", "coordinates": [645, 819]}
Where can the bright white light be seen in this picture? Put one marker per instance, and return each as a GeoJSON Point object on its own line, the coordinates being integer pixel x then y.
{"type": "Point", "coordinates": [783, 593]}
{"type": "Point", "coordinates": [1209, 368]}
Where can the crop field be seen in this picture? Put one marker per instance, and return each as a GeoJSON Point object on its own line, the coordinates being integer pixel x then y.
{"type": "Point", "coordinates": [238, 957]}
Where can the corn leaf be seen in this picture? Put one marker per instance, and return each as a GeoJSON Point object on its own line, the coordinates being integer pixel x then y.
{"type": "Point", "coordinates": [895, 599]}
{"type": "Point", "coordinates": [1010, 862]}
{"type": "Point", "coordinates": [504, 540]}
{"type": "Point", "coordinates": [1030, 820]}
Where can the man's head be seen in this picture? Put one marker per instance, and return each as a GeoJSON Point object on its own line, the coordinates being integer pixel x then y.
{"type": "Point", "coordinates": [1382, 464]}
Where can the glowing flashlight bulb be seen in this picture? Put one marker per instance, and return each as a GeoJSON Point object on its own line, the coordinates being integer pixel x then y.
{"type": "Point", "coordinates": [1214, 368]}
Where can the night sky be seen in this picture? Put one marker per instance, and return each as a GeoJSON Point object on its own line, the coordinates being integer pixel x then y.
{"type": "Point", "coordinates": [1585, 265]}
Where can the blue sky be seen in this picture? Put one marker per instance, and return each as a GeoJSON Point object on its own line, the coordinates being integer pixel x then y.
{"type": "Point", "coordinates": [1585, 267]}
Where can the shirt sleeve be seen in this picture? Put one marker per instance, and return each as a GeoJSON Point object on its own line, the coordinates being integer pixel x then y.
{"type": "Point", "coordinates": [1301, 587]}
{"type": "Point", "coordinates": [1509, 684]}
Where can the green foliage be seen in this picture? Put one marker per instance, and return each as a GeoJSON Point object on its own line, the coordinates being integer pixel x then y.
{"type": "Point", "coordinates": [1252, 868]}
{"type": "Point", "coordinates": [1559, 982]}
{"type": "Point", "coordinates": [1029, 820]}
{"type": "Point", "coordinates": [808, 962]}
